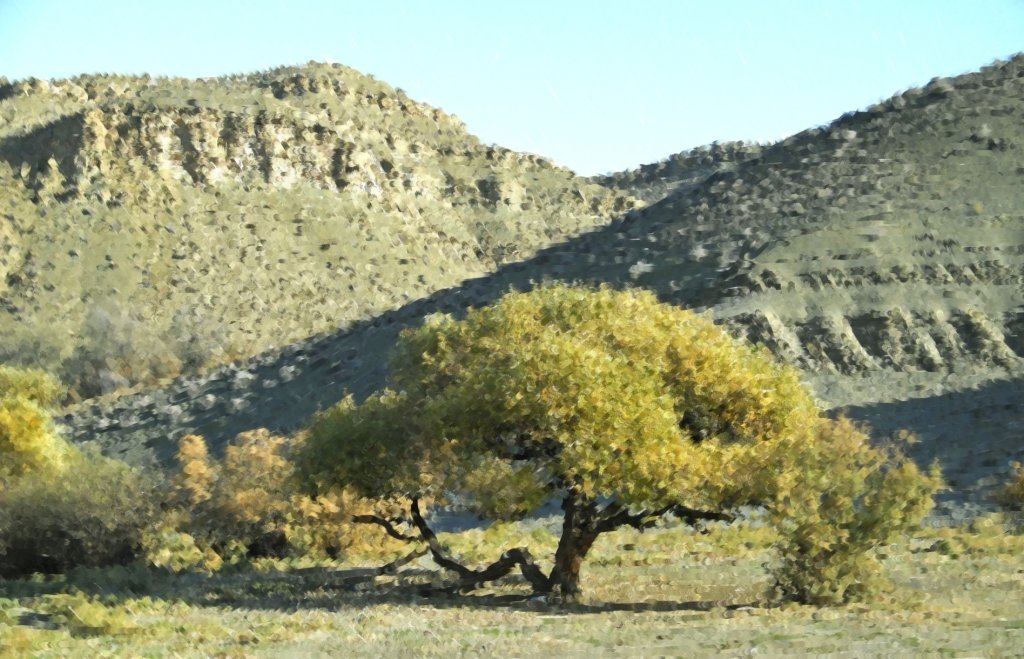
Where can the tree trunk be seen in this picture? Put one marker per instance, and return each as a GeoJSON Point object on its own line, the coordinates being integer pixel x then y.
{"type": "Point", "coordinates": [578, 535]}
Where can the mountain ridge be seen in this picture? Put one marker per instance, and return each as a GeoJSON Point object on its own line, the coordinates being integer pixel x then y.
{"type": "Point", "coordinates": [198, 221]}
{"type": "Point", "coordinates": [883, 253]}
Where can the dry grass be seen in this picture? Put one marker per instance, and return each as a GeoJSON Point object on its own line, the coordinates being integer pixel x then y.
{"type": "Point", "coordinates": [667, 592]}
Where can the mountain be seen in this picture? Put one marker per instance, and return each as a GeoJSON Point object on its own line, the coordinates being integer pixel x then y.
{"type": "Point", "coordinates": [156, 226]}
{"type": "Point", "coordinates": [680, 171]}
{"type": "Point", "coordinates": [883, 253]}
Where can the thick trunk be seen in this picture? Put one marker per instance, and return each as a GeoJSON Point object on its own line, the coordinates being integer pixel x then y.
{"type": "Point", "coordinates": [578, 535]}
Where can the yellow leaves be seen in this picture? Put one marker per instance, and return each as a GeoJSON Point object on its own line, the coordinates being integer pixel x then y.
{"type": "Point", "coordinates": [30, 384]}
{"type": "Point", "coordinates": [28, 439]}
{"type": "Point", "coordinates": [848, 498]}
{"type": "Point", "coordinates": [249, 496]}
{"type": "Point", "coordinates": [196, 475]}
{"type": "Point", "coordinates": [625, 397]}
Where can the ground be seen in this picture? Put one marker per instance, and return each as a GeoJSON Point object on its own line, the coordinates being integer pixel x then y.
{"type": "Point", "coordinates": [668, 592]}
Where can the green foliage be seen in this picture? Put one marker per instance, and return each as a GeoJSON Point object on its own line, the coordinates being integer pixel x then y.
{"type": "Point", "coordinates": [599, 395]}
{"type": "Point", "coordinates": [95, 513]}
{"type": "Point", "coordinates": [28, 439]}
{"type": "Point", "coordinates": [853, 498]}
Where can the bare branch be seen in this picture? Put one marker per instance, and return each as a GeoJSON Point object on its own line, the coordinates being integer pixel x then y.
{"type": "Point", "coordinates": [387, 524]}
{"type": "Point", "coordinates": [470, 578]}
{"type": "Point", "coordinates": [615, 515]}
{"type": "Point", "coordinates": [393, 566]}
{"type": "Point", "coordinates": [691, 516]}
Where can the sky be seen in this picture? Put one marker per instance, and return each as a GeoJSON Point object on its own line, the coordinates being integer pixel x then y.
{"type": "Point", "coordinates": [595, 85]}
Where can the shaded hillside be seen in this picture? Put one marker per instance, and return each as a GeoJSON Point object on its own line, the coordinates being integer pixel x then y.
{"type": "Point", "coordinates": [679, 172]}
{"type": "Point", "coordinates": [153, 226]}
{"type": "Point", "coordinates": [883, 253]}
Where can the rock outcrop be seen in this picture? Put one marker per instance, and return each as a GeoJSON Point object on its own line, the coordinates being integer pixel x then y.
{"type": "Point", "coordinates": [883, 253]}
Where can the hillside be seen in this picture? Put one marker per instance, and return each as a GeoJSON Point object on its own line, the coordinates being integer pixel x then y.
{"type": "Point", "coordinates": [882, 253]}
{"type": "Point", "coordinates": [680, 171]}
{"type": "Point", "coordinates": [153, 227]}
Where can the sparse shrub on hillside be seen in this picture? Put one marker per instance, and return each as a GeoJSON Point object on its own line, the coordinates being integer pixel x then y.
{"type": "Point", "coordinates": [1011, 496]}
{"type": "Point", "coordinates": [248, 503]}
{"type": "Point", "coordinates": [199, 343]}
{"type": "Point", "coordinates": [626, 410]}
{"type": "Point", "coordinates": [115, 350]}
{"type": "Point", "coordinates": [95, 512]}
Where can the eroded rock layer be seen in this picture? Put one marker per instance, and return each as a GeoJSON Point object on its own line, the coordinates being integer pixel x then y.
{"type": "Point", "coordinates": [153, 226]}
{"type": "Point", "coordinates": [883, 253]}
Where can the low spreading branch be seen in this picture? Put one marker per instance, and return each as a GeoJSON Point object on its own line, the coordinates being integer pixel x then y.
{"type": "Point", "coordinates": [615, 515]}
{"type": "Point", "coordinates": [393, 566]}
{"type": "Point", "coordinates": [388, 526]}
{"type": "Point", "coordinates": [469, 578]}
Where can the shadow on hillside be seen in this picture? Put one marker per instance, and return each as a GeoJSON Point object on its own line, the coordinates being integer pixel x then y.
{"type": "Point", "coordinates": [282, 389]}
{"type": "Point", "coordinates": [974, 433]}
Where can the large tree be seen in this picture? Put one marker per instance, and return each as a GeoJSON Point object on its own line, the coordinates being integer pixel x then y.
{"type": "Point", "coordinates": [626, 410]}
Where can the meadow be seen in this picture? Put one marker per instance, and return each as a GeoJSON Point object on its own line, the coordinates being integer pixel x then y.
{"type": "Point", "coordinates": [667, 592]}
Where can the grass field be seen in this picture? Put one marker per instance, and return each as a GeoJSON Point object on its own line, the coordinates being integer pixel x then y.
{"type": "Point", "coordinates": [669, 592]}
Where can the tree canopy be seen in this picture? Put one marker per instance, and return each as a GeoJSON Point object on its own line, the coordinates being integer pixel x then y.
{"type": "Point", "coordinates": [623, 408]}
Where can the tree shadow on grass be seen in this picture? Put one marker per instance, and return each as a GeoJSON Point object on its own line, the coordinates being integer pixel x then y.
{"type": "Point", "coordinates": [321, 588]}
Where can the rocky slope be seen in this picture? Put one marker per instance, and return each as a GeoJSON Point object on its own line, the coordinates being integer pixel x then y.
{"type": "Point", "coordinates": [883, 253]}
{"type": "Point", "coordinates": [679, 172]}
{"type": "Point", "coordinates": [154, 226]}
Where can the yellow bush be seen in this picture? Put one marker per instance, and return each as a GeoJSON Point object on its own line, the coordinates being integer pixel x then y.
{"type": "Point", "coordinates": [60, 507]}
{"type": "Point", "coordinates": [852, 499]}
{"type": "Point", "coordinates": [32, 384]}
{"type": "Point", "coordinates": [28, 439]}
{"type": "Point", "coordinates": [249, 502]}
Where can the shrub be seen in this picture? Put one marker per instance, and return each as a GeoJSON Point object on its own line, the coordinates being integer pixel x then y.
{"type": "Point", "coordinates": [34, 385]}
{"type": "Point", "coordinates": [854, 499]}
{"type": "Point", "coordinates": [116, 349]}
{"type": "Point", "coordinates": [94, 514]}
{"type": "Point", "coordinates": [249, 503]}
{"type": "Point", "coordinates": [1011, 496]}
{"type": "Point", "coordinates": [28, 439]}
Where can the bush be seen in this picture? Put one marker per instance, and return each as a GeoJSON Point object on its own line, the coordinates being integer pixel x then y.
{"type": "Point", "coordinates": [60, 507]}
{"type": "Point", "coordinates": [853, 500]}
{"type": "Point", "coordinates": [1011, 496]}
{"type": "Point", "coordinates": [28, 439]}
{"type": "Point", "coordinates": [249, 503]}
{"type": "Point", "coordinates": [116, 348]}
{"type": "Point", "coordinates": [94, 514]}
{"type": "Point", "coordinates": [34, 385]}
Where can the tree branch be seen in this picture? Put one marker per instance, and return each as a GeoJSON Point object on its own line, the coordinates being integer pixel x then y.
{"type": "Point", "coordinates": [615, 515]}
{"type": "Point", "coordinates": [470, 578]}
{"type": "Point", "coordinates": [393, 566]}
{"type": "Point", "coordinates": [387, 524]}
{"type": "Point", "coordinates": [691, 516]}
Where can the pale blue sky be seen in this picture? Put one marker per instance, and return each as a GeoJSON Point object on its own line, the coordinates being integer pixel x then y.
{"type": "Point", "coordinates": [597, 86]}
